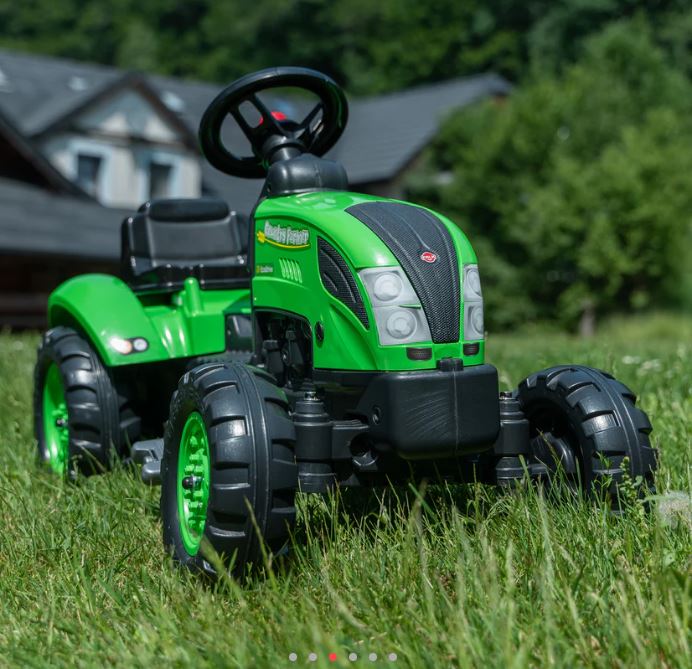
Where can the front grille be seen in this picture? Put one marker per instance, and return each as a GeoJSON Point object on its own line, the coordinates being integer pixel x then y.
{"type": "Point", "coordinates": [338, 279]}
{"type": "Point", "coordinates": [410, 232]}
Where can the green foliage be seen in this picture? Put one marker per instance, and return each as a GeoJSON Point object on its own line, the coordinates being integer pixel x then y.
{"type": "Point", "coordinates": [615, 223]}
{"type": "Point", "coordinates": [138, 49]}
{"type": "Point", "coordinates": [460, 578]}
{"type": "Point", "coordinates": [558, 35]}
{"type": "Point", "coordinates": [368, 46]}
{"type": "Point", "coordinates": [578, 185]}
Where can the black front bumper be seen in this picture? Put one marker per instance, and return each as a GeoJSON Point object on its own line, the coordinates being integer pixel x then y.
{"type": "Point", "coordinates": [433, 414]}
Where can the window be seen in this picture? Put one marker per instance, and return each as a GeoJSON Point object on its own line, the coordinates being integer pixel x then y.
{"type": "Point", "coordinates": [159, 180]}
{"type": "Point", "coordinates": [77, 83]}
{"type": "Point", "coordinates": [88, 169]}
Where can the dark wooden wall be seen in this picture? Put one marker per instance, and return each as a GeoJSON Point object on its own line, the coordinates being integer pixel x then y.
{"type": "Point", "coordinates": [26, 282]}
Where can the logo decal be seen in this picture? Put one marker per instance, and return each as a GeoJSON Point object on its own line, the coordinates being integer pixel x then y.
{"type": "Point", "coordinates": [428, 256]}
{"type": "Point", "coordinates": [264, 269]}
{"type": "Point", "coordinates": [284, 237]}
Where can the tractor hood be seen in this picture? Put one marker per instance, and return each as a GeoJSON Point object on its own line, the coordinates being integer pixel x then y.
{"type": "Point", "coordinates": [335, 215]}
{"type": "Point", "coordinates": [354, 234]}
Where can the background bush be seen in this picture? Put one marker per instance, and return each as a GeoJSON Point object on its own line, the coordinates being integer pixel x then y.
{"type": "Point", "coordinates": [576, 189]}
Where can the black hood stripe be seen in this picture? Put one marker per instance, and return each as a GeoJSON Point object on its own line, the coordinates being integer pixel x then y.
{"type": "Point", "coordinates": [408, 231]}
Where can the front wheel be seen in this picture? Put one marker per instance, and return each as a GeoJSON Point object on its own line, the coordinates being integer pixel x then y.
{"type": "Point", "coordinates": [228, 473]}
{"type": "Point", "coordinates": [585, 421]}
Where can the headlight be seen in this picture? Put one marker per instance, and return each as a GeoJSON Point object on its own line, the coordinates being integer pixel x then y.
{"type": "Point", "coordinates": [398, 313]}
{"type": "Point", "coordinates": [472, 282]}
{"type": "Point", "coordinates": [387, 287]}
{"type": "Point", "coordinates": [473, 321]}
{"type": "Point", "coordinates": [473, 304]}
{"type": "Point", "coordinates": [477, 318]}
{"type": "Point", "coordinates": [401, 324]}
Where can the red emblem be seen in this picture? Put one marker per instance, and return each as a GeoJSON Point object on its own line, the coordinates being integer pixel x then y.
{"type": "Point", "coordinates": [428, 256]}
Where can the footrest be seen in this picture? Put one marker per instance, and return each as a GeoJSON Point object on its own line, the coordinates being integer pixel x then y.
{"type": "Point", "coordinates": [149, 454]}
{"type": "Point", "coordinates": [151, 472]}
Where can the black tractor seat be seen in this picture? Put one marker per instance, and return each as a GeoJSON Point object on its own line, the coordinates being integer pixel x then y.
{"type": "Point", "coordinates": [167, 241]}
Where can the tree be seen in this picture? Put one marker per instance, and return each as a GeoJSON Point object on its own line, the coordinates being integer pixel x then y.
{"type": "Point", "coordinates": [576, 187]}
{"type": "Point", "coordinates": [610, 233]}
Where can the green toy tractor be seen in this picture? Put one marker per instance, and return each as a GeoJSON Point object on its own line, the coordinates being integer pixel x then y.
{"type": "Point", "coordinates": [333, 339]}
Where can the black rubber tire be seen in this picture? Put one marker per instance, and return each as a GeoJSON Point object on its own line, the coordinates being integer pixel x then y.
{"type": "Point", "coordinates": [228, 357]}
{"type": "Point", "coordinates": [258, 466]}
{"type": "Point", "coordinates": [588, 412]}
{"type": "Point", "coordinates": [101, 422]}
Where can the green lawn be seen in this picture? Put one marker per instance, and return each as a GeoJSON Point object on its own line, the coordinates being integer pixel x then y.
{"type": "Point", "coordinates": [464, 577]}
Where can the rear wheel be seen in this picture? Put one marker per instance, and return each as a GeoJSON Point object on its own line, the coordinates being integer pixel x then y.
{"type": "Point", "coordinates": [228, 472]}
{"type": "Point", "coordinates": [586, 422]}
{"type": "Point", "coordinates": [81, 422]}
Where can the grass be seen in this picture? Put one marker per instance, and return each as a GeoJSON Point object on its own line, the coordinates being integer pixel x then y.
{"type": "Point", "coordinates": [452, 577]}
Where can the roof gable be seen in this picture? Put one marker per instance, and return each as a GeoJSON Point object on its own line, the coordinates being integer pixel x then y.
{"type": "Point", "coordinates": [40, 88]}
{"type": "Point", "coordinates": [128, 113]}
{"type": "Point", "coordinates": [127, 107]}
{"type": "Point", "coordinates": [20, 161]}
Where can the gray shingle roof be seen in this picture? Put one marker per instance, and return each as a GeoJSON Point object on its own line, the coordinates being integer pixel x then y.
{"type": "Point", "coordinates": [41, 89]}
{"type": "Point", "coordinates": [43, 171]}
{"type": "Point", "coordinates": [383, 135]}
{"type": "Point", "coordinates": [386, 132]}
{"type": "Point", "coordinates": [46, 114]}
{"type": "Point", "coordinates": [32, 220]}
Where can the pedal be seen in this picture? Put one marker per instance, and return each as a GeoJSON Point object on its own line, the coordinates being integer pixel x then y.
{"type": "Point", "coordinates": [149, 454]}
{"type": "Point", "coordinates": [151, 472]}
{"type": "Point", "coordinates": [146, 451]}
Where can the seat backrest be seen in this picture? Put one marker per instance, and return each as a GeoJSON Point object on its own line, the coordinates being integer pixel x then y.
{"type": "Point", "coordinates": [168, 240]}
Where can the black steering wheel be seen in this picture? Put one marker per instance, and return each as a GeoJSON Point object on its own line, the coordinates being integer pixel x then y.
{"type": "Point", "coordinates": [316, 133]}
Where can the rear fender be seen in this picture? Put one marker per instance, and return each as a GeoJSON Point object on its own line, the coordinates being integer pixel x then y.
{"type": "Point", "coordinates": [104, 308]}
{"type": "Point", "coordinates": [188, 323]}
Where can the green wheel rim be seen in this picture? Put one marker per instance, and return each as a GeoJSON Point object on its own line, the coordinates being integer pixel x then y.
{"type": "Point", "coordinates": [56, 433]}
{"type": "Point", "coordinates": [193, 482]}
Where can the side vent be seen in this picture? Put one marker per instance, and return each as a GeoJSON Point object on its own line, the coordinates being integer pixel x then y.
{"type": "Point", "coordinates": [290, 270]}
{"type": "Point", "coordinates": [338, 280]}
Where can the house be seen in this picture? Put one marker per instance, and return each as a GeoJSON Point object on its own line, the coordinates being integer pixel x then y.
{"type": "Point", "coordinates": [50, 230]}
{"type": "Point", "coordinates": [83, 144]}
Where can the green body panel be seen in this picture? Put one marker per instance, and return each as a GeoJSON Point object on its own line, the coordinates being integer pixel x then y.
{"type": "Point", "coordinates": [286, 277]}
{"type": "Point", "coordinates": [187, 323]}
